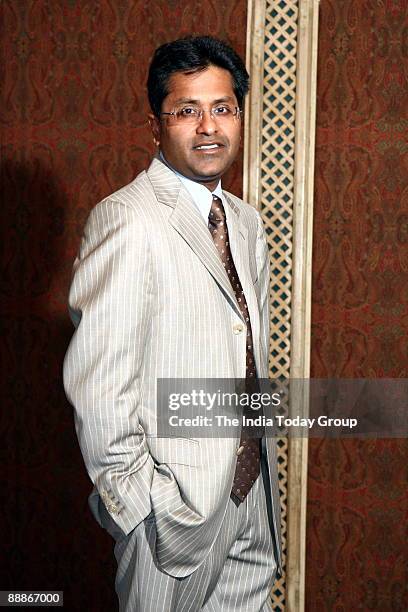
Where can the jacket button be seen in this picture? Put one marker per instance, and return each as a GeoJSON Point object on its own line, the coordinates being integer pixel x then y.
{"type": "Point", "coordinates": [240, 450]}
{"type": "Point", "coordinates": [238, 328]}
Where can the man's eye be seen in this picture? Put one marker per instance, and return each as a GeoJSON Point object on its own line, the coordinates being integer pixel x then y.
{"type": "Point", "coordinates": [222, 110]}
{"type": "Point", "coordinates": [187, 111]}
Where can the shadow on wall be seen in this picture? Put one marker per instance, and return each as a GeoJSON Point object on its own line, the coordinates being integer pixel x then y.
{"type": "Point", "coordinates": [49, 539]}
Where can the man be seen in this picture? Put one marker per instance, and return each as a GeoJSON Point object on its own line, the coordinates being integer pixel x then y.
{"type": "Point", "coordinates": [172, 282]}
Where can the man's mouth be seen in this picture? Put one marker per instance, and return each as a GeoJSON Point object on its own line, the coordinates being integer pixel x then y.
{"type": "Point", "coordinates": [208, 147]}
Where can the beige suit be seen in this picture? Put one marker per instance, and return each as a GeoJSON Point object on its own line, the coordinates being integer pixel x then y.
{"type": "Point", "coordinates": [147, 293]}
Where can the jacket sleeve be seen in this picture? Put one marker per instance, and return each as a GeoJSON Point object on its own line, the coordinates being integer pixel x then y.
{"type": "Point", "coordinates": [110, 304]}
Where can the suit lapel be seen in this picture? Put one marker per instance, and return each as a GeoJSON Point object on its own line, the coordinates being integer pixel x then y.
{"type": "Point", "coordinates": [188, 222]}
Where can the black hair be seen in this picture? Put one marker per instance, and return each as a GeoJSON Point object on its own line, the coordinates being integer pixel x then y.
{"type": "Point", "coordinates": [192, 54]}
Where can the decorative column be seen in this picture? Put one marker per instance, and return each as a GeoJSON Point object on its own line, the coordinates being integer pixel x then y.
{"type": "Point", "coordinates": [278, 180]}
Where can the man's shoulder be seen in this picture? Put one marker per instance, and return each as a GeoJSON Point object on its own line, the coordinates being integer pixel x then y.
{"type": "Point", "coordinates": [138, 192]}
{"type": "Point", "coordinates": [133, 203]}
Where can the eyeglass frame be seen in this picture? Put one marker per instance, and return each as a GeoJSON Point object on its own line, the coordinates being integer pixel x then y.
{"type": "Point", "coordinates": [238, 113]}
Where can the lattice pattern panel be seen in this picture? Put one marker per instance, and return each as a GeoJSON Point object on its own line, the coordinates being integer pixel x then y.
{"type": "Point", "coordinates": [277, 186]}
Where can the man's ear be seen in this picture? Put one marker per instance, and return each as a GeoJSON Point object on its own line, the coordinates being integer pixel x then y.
{"type": "Point", "coordinates": [155, 127]}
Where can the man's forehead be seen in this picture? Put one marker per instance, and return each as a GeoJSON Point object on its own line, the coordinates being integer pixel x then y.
{"type": "Point", "coordinates": [208, 84]}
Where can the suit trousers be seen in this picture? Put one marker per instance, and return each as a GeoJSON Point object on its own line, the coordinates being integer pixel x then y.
{"type": "Point", "coordinates": [236, 576]}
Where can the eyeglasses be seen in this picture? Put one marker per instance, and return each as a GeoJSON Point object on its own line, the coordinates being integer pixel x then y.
{"type": "Point", "coordinates": [221, 113]}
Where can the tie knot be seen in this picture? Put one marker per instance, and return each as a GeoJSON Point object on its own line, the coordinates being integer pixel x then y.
{"type": "Point", "coordinates": [217, 212]}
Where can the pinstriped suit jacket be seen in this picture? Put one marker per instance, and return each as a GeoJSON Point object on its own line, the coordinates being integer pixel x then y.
{"type": "Point", "coordinates": [148, 291]}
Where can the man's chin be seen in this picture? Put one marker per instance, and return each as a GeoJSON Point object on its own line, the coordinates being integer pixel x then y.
{"type": "Point", "coordinates": [208, 173]}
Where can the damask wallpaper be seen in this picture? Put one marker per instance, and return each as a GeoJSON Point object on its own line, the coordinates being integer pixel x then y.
{"type": "Point", "coordinates": [73, 129]}
{"type": "Point", "coordinates": [357, 490]}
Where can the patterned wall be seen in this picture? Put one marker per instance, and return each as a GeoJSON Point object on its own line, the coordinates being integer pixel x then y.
{"type": "Point", "coordinates": [73, 129]}
{"type": "Point", "coordinates": [357, 491]}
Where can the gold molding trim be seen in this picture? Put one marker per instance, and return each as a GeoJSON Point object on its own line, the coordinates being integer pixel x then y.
{"type": "Point", "coordinates": [306, 76]}
{"type": "Point", "coordinates": [254, 103]}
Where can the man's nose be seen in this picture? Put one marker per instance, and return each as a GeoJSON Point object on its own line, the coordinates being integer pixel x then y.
{"type": "Point", "coordinates": [207, 124]}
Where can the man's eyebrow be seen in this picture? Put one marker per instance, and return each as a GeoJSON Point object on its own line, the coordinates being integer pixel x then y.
{"type": "Point", "coordinates": [186, 101]}
{"type": "Point", "coordinates": [224, 99]}
{"type": "Point", "coordinates": [198, 102]}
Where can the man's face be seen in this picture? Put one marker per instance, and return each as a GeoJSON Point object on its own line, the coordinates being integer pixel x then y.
{"type": "Point", "coordinates": [180, 143]}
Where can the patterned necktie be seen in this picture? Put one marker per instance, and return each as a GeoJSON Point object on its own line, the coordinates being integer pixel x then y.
{"type": "Point", "coordinates": [248, 462]}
